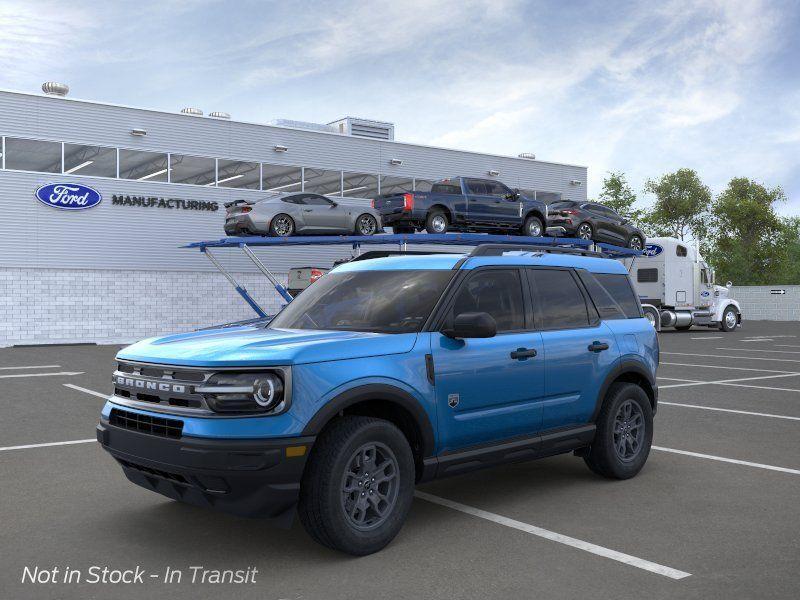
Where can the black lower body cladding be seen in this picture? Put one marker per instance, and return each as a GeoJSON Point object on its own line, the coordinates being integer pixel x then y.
{"type": "Point", "coordinates": [249, 478]}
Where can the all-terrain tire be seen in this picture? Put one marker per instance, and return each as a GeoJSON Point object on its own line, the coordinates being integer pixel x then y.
{"type": "Point", "coordinates": [603, 457]}
{"type": "Point", "coordinates": [323, 500]}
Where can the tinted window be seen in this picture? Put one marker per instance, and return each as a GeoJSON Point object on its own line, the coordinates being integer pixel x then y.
{"type": "Point", "coordinates": [560, 303]}
{"type": "Point", "coordinates": [612, 295]}
{"type": "Point", "coordinates": [33, 155]}
{"type": "Point", "coordinates": [476, 187]}
{"type": "Point", "coordinates": [445, 188]}
{"type": "Point", "coordinates": [681, 251]}
{"type": "Point", "coordinates": [647, 275]}
{"type": "Point", "coordinates": [90, 160]}
{"type": "Point", "coordinates": [495, 188]}
{"type": "Point", "coordinates": [294, 199]}
{"type": "Point", "coordinates": [561, 204]}
{"type": "Point", "coordinates": [497, 292]}
{"type": "Point", "coordinates": [376, 301]}
{"type": "Point", "coordinates": [317, 200]}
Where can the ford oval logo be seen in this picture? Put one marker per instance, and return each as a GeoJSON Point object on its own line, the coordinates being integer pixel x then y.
{"type": "Point", "coordinates": [68, 196]}
{"type": "Point", "coordinates": [705, 294]}
{"type": "Point", "coordinates": [652, 250]}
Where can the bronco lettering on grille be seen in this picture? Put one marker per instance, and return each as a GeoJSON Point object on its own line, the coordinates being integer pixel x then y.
{"type": "Point", "coordinates": [151, 385]}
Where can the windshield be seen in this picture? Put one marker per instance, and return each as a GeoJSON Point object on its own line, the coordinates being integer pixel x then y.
{"type": "Point", "coordinates": [374, 301]}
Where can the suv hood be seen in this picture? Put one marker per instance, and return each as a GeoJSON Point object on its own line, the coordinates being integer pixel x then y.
{"type": "Point", "coordinates": [255, 346]}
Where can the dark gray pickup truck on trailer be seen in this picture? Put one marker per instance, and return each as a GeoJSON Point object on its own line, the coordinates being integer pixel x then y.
{"type": "Point", "coordinates": [463, 204]}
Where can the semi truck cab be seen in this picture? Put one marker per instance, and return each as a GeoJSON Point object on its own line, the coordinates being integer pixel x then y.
{"type": "Point", "coordinates": [677, 288]}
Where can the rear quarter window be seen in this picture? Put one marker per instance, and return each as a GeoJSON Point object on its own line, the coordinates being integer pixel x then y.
{"type": "Point", "coordinates": [612, 294]}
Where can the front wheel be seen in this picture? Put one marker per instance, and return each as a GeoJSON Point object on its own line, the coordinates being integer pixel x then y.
{"type": "Point", "coordinates": [636, 243]}
{"type": "Point", "coordinates": [366, 224]}
{"type": "Point", "coordinates": [358, 486]}
{"type": "Point", "coordinates": [730, 320]}
{"type": "Point", "coordinates": [533, 227]}
{"type": "Point", "coordinates": [584, 231]}
{"type": "Point", "coordinates": [624, 433]}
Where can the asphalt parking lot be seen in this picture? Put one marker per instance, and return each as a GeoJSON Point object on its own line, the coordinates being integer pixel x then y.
{"type": "Point", "coordinates": [714, 513]}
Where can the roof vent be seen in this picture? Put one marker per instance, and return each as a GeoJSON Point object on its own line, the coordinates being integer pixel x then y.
{"type": "Point", "coordinates": [219, 115]}
{"type": "Point", "coordinates": [196, 112]}
{"type": "Point", "coordinates": [377, 130]}
{"type": "Point", "coordinates": [51, 88]}
{"type": "Point", "coordinates": [527, 155]}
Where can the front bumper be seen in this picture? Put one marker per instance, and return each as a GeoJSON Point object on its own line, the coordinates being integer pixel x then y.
{"type": "Point", "coordinates": [250, 478]}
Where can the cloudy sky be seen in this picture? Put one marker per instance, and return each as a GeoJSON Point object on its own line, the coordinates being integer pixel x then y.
{"type": "Point", "coordinates": [644, 87]}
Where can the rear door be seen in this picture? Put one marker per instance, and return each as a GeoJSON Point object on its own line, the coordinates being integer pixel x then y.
{"type": "Point", "coordinates": [602, 223]}
{"type": "Point", "coordinates": [480, 203]}
{"type": "Point", "coordinates": [580, 350]}
{"type": "Point", "coordinates": [483, 393]}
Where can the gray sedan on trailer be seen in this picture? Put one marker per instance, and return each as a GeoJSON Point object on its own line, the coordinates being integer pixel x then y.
{"type": "Point", "coordinates": [300, 213]}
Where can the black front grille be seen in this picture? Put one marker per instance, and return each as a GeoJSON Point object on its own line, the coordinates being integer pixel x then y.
{"type": "Point", "coordinates": [157, 472]}
{"type": "Point", "coordinates": [170, 428]}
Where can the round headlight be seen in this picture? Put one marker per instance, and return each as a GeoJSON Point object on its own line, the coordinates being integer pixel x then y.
{"type": "Point", "coordinates": [268, 391]}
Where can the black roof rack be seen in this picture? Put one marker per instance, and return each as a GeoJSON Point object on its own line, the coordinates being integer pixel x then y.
{"type": "Point", "coordinates": [499, 249]}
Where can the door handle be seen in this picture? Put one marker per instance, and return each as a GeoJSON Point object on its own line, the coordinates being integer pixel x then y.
{"type": "Point", "coordinates": [598, 347]}
{"type": "Point", "coordinates": [523, 353]}
{"type": "Point", "coordinates": [308, 210]}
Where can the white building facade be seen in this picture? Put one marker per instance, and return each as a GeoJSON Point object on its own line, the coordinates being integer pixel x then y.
{"type": "Point", "coordinates": [115, 272]}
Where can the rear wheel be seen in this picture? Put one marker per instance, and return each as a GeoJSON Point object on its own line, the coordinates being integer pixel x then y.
{"type": "Point", "coordinates": [366, 224]}
{"type": "Point", "coordinates": [281, 226]}
{"type": "Point", "coordinates": [585, 231]}
{"type": "Point", "coordinates": [533, 227]}
{"type": "Point", "coordinates": [358, 486]}
{"type": "Point", "coordinates": [436, 222]}
{"type": "Point", "coordinates": [636, 243]}
{"type": "Point", "coordinates": [624, 433]}
{"type": "Point", "coordinates": [730, 320]}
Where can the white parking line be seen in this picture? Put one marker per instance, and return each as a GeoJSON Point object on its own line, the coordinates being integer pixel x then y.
{"type": "Point", "coordinates": [761, 387]}
{"type": "Point", "coordinates": [47, 444]}
{"type": "Point", "coordinates": [81, 389]}
{"type": "Point", "coordinates": [730, 410]}
{"type": "Point", "coordinates": [557, 537]}
{"type": "Point", "coordinates": [41, 374]}
{"type": "Point", "coordinates": [726, 381]}
{"type": "Point", "coordinates": [709, 337]}
{"type": "Point", "coordinates": [736, 357]}
{"type": "Point", "coordinates": [727, 460]}
{"type": "Point", "coordinates": [758, 340]}
{"type": "Point", "coordinates": [787, 346]}
{"type": "Point", "coordinates": [758, 350]}
{"type": "Point", "coordinates": [31, 367]}
{"type": "Point", "coordinates": [722, 367]}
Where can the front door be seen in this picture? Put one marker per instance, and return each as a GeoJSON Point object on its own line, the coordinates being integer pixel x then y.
{"type": "Point", "coordinates": [491, 388]}
{"type": "Point", "coordinates": [581, 350]}
{"type": "Point", "coordinates": [322, 214]}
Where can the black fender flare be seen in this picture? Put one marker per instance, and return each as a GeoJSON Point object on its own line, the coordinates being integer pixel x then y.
{"type": "Point", "coordinates": [623, 368]}
{"type": "Point", "coordinates": [375, 391]}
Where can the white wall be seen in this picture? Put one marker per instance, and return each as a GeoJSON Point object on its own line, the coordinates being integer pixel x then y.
{"type": "Point", "coordinates": [760, 304]}
{"type": "Point", "coordinates": [41, 306]}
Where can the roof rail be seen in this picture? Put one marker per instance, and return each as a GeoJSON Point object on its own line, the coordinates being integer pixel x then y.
{"type": "Point", "coordinates": [499, 249]}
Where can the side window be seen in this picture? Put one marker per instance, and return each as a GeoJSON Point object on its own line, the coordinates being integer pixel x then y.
{"type": "Point", "coordinates": [299, 199]}
{"type": "Point", "coordinates": [681, 250]}
{"type": "Point", "coordinates": [316, 200]}
{"type": "Point", "coordinates": [647, 275]}
{"type": "Point", "coordinates": [477, 187]}
{"type": "Point", "coordinates": [497, 292]}
{"type": "Point", "coordinates": [559, 301]}
{"type": "Point", "coordinates": [446, 188]}
{"type": "Point", "coordinates": [495, 188]}
{"type": "Point", "coordinates": [618, 292]}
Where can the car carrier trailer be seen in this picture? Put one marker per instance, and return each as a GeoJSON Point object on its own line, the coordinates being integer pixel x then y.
{"type": "Point", "coordinates": [500, 243]}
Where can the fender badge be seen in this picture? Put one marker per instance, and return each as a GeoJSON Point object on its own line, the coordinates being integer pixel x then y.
{"type": "Point", "coordinates": [452, 400]}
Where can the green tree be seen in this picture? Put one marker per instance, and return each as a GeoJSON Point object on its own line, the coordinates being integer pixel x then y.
{"type": "Point", "coordinates": [681, 206]}
{"type": "Point", "coordinates": [750, 243]}
{"type": "Point", "coordinates": [618, 195]}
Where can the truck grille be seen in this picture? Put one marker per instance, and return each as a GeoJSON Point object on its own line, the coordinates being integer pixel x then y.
{"type": "Point", "coordinates": [161, 385]}
{"type": "Point", "coordinates": [169, 428]}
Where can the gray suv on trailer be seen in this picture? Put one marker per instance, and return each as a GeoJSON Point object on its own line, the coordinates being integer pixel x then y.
{"type": "Point", "coordinates": [300, 213]}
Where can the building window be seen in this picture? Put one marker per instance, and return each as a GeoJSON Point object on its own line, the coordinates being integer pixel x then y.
{"type": "Point", "coordinates": [236, 174]}
{"type": "Point", "coordinates": [90, 160]}
{"type": "Point", "coordinates": [280, 178]}
{"type": "Point", "coordinates": [423, 185]}
{"type": "Point", "coordinates": [320, 181]}
{"type": "Point", "coordinates": [143, 166]}
{"type": "Point", "coordinates": [396, 185]}
{"type": "Point", "coordinates": [33, 155]}
{"type": "Point", "coordinates": [194, 170]}
{"type": "Point", "coordinates": [360, 185]}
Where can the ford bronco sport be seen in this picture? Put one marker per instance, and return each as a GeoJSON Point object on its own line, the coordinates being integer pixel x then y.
{"type": "Point", "coordinates": [387, 373]}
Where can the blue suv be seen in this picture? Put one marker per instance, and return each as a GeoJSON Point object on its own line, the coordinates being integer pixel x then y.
{"type": "Point", "coordinates": [387, 373]}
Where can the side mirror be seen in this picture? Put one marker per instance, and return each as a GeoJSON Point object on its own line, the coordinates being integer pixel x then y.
{"type": "Point", "coordinates": [334, 204]}
{"type": "Point", "coordinates": [472, 325]}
